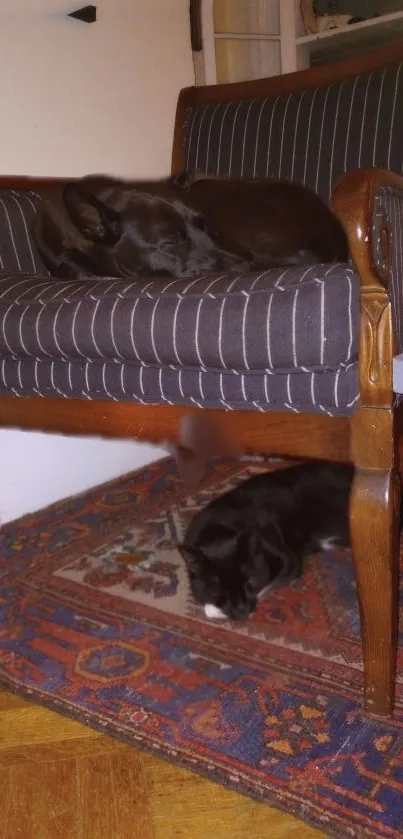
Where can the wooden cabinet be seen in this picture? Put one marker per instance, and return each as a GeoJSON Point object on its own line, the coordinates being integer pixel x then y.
{"type": "Point", "coordinates": [250, 39]}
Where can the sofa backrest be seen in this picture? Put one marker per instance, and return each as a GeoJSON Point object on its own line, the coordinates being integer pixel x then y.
{"type": "Point", "coordinates": [17, 248]}
{"type": "Point", "coordinates": [312, 134]}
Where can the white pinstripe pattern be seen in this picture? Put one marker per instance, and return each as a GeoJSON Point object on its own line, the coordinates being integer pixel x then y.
{"type": "Point", "coordinates": [289, 388]}
{"type": "Point", "coordinates": [20, 333]}
{"type": "Point", "coordinates": [363, 118]}
{"type": "Point", "coordinates": [313, 388]}
{"type": "Point", "coordinates": [198, 137]}
{"type": "Point", "coordinates": [54, 329]}
{"type": "Point", "coordinates": [268, 340]}
{"type": "Point", "coordinates": [295, 133]}
{"type": "Point", "coordinates": [174, 326]}
{"type": "Point", "coordinates": [112, 330]}
{"type": "Point", "coordinates": [232, 138]}
{"type": "Point", "coordinates": [87, 381]}
{"type": "Point", "coordinates": [336, 387]}
{"type": "Point", "coordinates": [293, 330]}
{"type": "Point", "coordinates": [201, 384]}
{"type": "Point", "coordinates": [350, 316]}
{"type": "Point", "coordinates": [270, 133]}
{"type": "Point", "coordinates": [190, 140]}
{"type": "Point", "coordinates": [392, 122]}
{"type": "Point", "coordinates": [266, 392]}
{"type": "Point", "coordinates": [289, 97]}
{"type": "Point", "coordinates": [222, 389]}
{"type": "Point", "coordinates": [132, 329]}
{"type": "Point", "coordinates": [251, 103]}
{"type": "Point", "coordinates": [122, 379]}
{"type": "Point", "coordinates": [334, 137]}
{"type": "Point", "coordinates": [308, 134]}
{"type": "Point", "coordinates": [220, 137]}
{"type": "Point", "coordinates": [73, 329]}
{"type": "Point", "coordinates": [325, 410]}
{"type": "Point", "coordinates": [3, 327]}
{"type": "Point", "coordinates": [40, 313]}
{"type": "Point", "coordinates": [161, 387]}
{"type": "Point", "coordinates": [196, 397]}
{"type": "Point", "coordinates": [244, 331]}
{"type": "Point", "coordinates": [347, 146]}
{"type": "Point", "coordinates": [209, 137]}
{"type": "Point", "coordinates": [200, 303]}
{"type": "Point", "coordinates": [264, 102]}
{"type": "Point", "coordinates": [321, 136]}
{"type": "Point", "coordinates": [108, 393]}
{"type": "Point", "coordinates": [243, 388]}
{"type": "Point", "coordinates": [377, 117]}
{"type": "Point", "coordinates": [20, 382]}
{"type": "Point", "coordinates": [31, 253]}
{"type": "Point", "coordinates": [10, 230]}
{"type": "Point", "coordinates": [10, 288]}
{"type": "Point", "coordinates": [220, 333]}
{"type": "Point", "coordinates": [322, 322]}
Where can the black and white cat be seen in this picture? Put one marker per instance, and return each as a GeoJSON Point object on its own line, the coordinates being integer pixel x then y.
{"type": "Point", "coordinates": [255, 537]}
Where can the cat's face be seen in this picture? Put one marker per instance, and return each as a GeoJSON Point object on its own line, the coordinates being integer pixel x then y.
{"type": "Point", "coordinates": [227, 572]}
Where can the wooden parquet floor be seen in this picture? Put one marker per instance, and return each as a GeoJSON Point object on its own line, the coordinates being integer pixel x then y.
{"type": "Point", "coordinates": [62, 780]}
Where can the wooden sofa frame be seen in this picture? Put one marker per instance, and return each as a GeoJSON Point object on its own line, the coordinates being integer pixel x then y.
{"type": "Point", "coordinates": [369, 438]}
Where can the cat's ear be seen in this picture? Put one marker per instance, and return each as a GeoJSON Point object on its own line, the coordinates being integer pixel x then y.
{"type": "Point", "coordinates": [200, 439]}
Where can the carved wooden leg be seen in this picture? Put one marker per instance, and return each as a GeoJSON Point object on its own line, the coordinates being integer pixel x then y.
{"type": "Point", "coordinates": [374, 523]}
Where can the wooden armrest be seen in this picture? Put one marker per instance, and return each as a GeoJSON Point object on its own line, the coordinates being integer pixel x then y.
{"type": "Point", "coordinates": [353, 202]}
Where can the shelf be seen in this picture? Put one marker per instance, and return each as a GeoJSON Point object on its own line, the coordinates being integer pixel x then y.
{"type": "Point", "coordinates": [236, 36]}
{"type": "Point", "coordinates": [367, 33]}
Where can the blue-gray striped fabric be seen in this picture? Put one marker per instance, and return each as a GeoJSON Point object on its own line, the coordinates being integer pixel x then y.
{"type": "Point", "coordinates": [282, 339]}
{"type": "Point", "coordinates": [312, 136]}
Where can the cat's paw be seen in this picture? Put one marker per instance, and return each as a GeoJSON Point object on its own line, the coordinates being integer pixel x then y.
{"type": "Point", "coordinates": [213, 612]}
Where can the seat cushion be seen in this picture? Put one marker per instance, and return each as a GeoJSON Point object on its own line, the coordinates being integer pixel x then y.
{"type": "Point", "coordinates": [284, 337]}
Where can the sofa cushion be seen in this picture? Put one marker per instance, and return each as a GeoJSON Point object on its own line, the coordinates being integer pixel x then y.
{"type": "Point", "coordinates": [240, 340]}
{"type": "Point", "coordinates": [17, 246]}
{"type": "Point", "coordinates": [275, 321]}
{"type": "Point", "coordinates": [333, 392]}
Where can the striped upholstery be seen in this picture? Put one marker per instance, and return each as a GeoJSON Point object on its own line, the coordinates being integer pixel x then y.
{"type": "Point", "coordinates": [17, 247]}
{"type": "Point", "coordinates": [311, 136]}
{"type": "Point", "coordinates": [389, 206]}
{"type": "Point", "coordinates": [285, 338]}
{"type": "Point", "coordinates": [281, 340]}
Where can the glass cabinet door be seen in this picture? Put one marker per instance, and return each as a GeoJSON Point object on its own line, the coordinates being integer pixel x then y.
{"type": "Point", "coordinates": [242, 39]}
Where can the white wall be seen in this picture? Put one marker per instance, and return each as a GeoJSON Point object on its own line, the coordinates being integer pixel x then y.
{"type": "Point", "coordinates": [78, 98]}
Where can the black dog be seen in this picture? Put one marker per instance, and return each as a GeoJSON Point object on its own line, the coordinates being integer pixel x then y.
{"type": "Point", "coordinates": [104, 226]}
{"type": "Point", "coordinates": [255, 537]}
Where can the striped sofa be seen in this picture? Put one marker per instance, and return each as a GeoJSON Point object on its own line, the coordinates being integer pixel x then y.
{"type": "Point", "coordinates": [296, 361]}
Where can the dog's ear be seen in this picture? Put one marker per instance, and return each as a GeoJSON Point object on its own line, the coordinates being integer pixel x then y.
{"type": "Point", "coordinates": [93, 219]}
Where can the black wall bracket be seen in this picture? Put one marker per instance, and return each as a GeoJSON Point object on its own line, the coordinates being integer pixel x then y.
{"type": "Point", "coordinates": [88, 14]}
